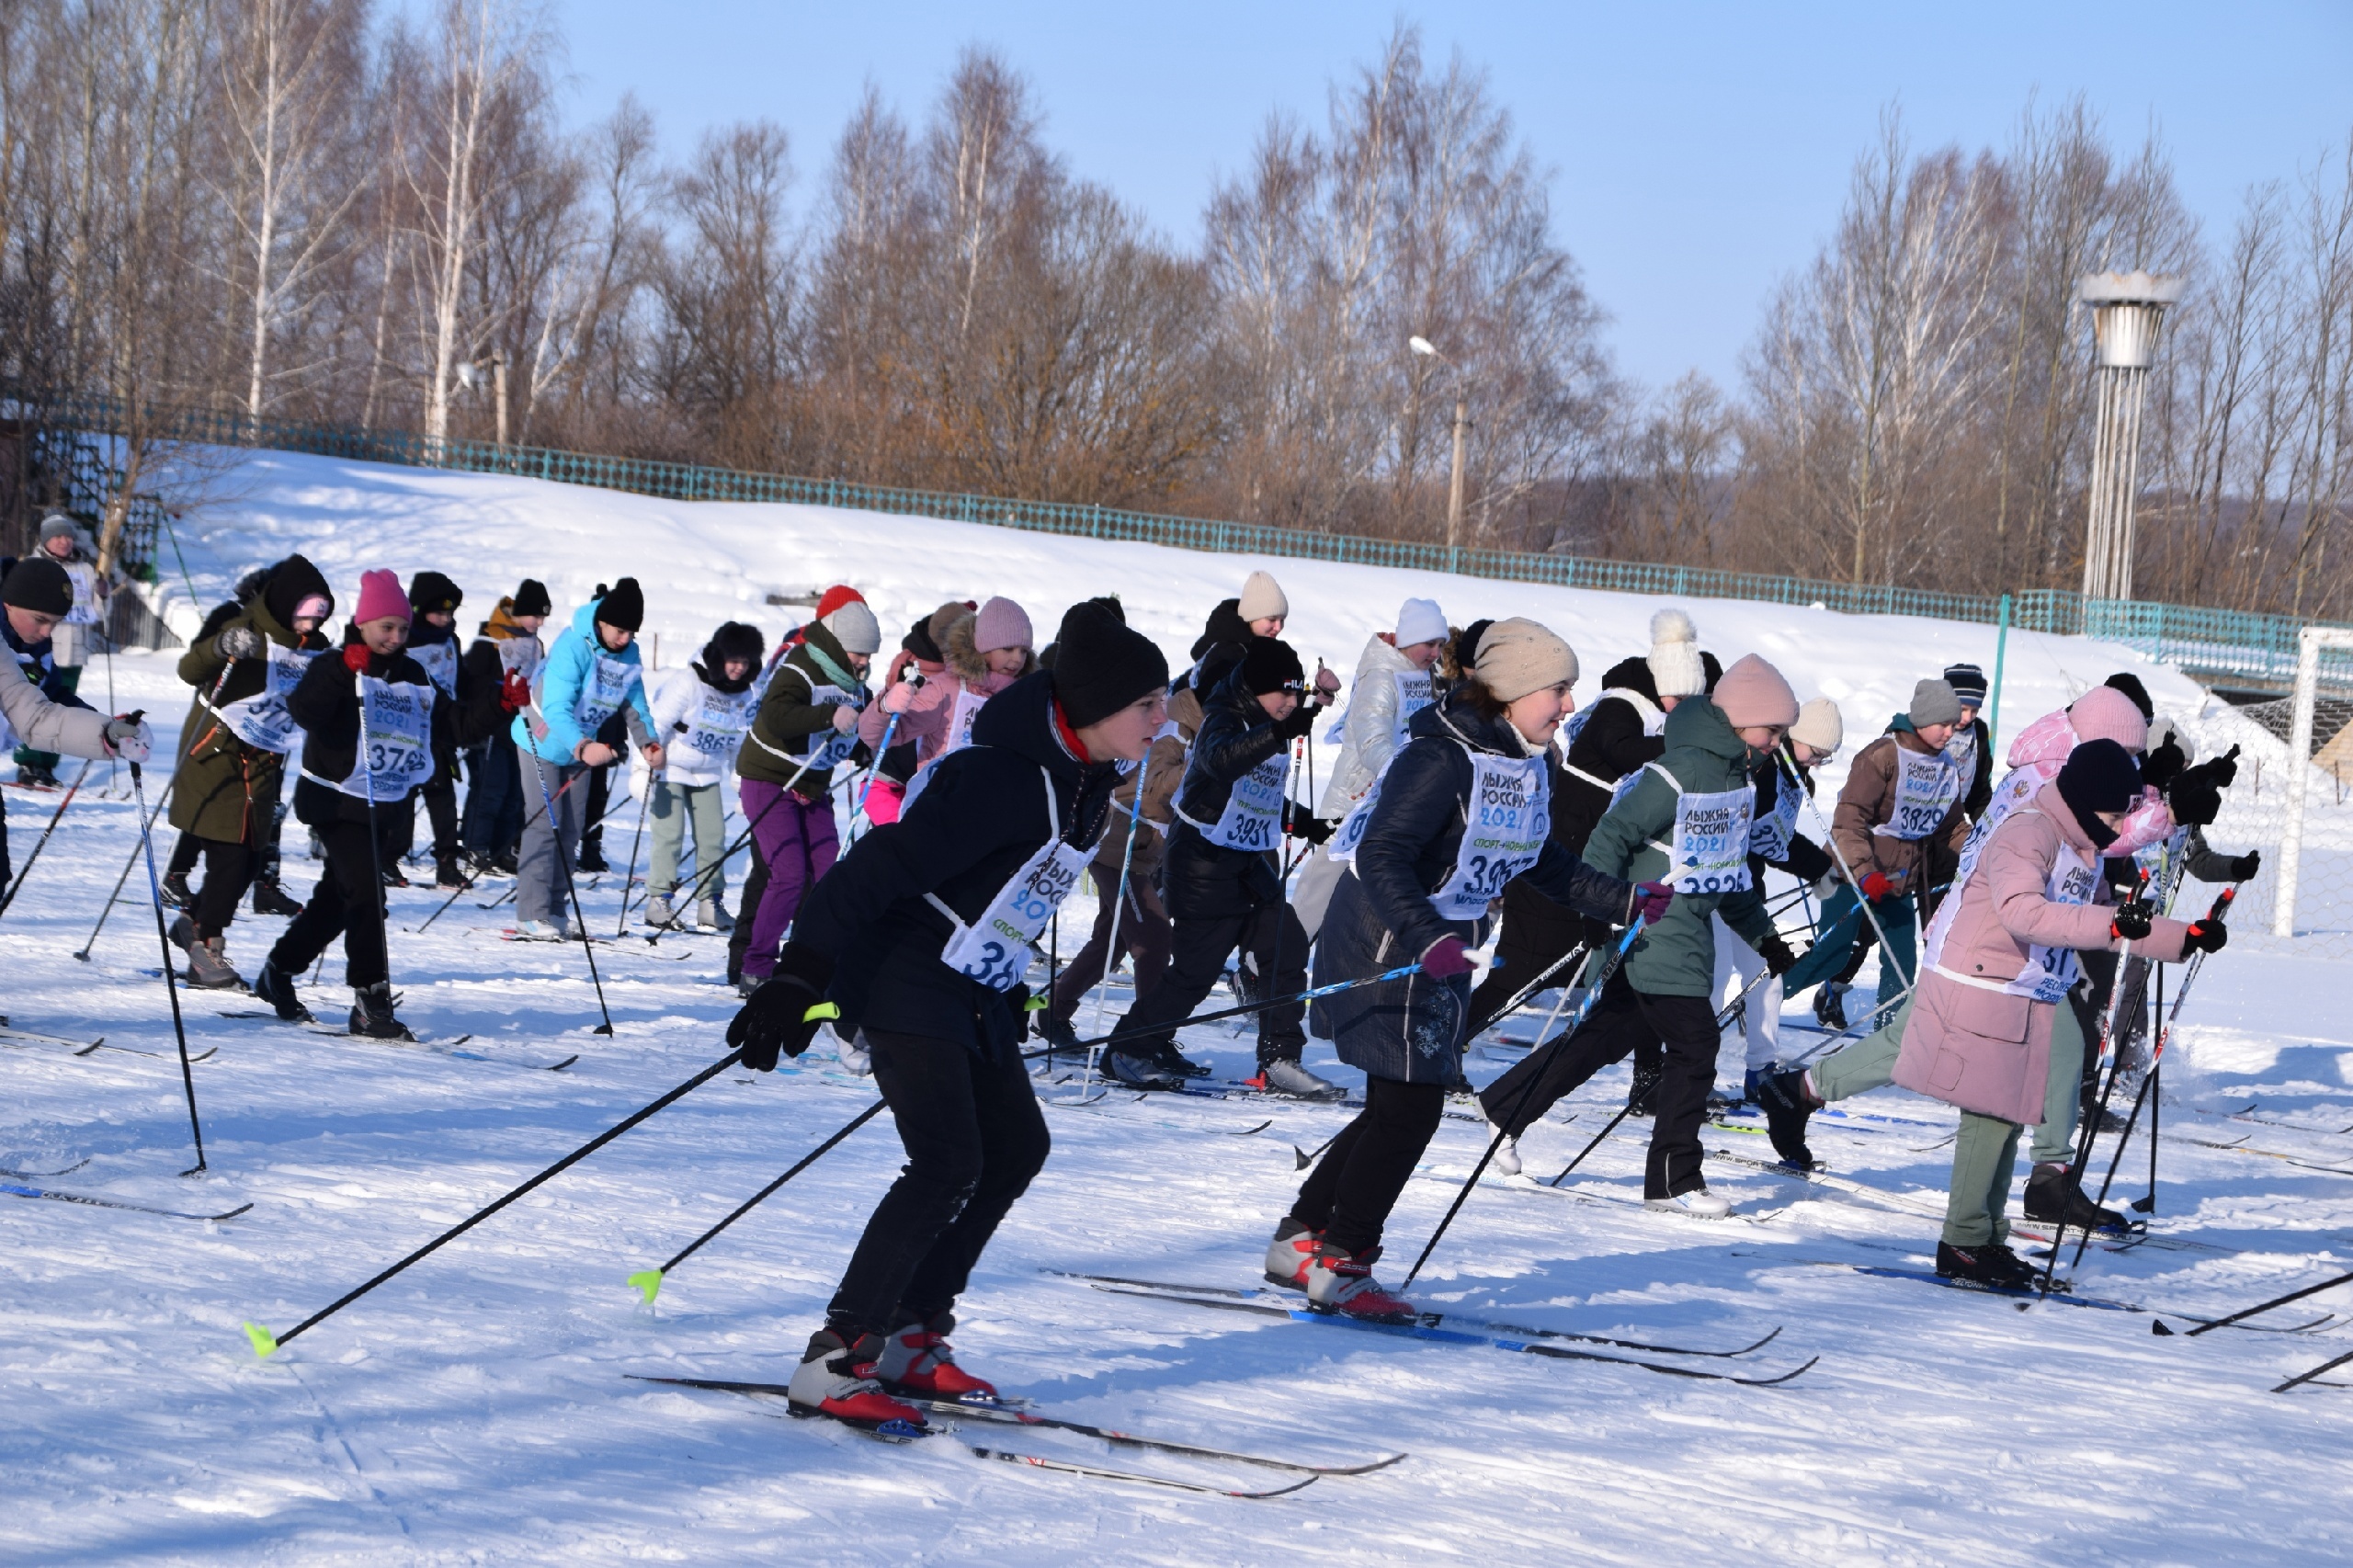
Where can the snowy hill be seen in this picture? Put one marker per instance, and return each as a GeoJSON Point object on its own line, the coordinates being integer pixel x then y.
{"type": "Point", "coordinates": [477, 1409]}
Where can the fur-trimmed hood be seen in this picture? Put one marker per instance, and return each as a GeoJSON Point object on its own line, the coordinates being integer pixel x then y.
{"type": "Point", "coordinates": [964, 659]}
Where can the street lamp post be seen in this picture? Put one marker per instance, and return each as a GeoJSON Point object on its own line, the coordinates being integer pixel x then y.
{"type": "Point", "coordinates": [2126, 311]}
{"type": "Point", "coordinates": [1428, 350]}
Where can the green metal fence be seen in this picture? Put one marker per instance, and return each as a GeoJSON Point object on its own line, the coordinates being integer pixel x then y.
{"type": "Point", "coordinates": [2218, 644]}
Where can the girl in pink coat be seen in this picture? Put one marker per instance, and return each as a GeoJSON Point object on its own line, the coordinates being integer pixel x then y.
{"type": "Point", "coordinates": [986, 651]}
{"type": "Point", "coordinates": [1999, 959]}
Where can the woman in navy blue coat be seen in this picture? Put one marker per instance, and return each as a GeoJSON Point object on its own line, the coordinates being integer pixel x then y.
{"type": "Point", "coordinates": [1461, 811]}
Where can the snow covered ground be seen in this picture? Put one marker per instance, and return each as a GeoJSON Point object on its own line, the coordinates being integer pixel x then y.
{"type": "Point", "coordinates": [477, 1408]}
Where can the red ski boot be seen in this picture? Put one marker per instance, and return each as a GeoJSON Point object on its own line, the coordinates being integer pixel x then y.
{"type": "Point", "coordinates": [836, 1378]}
{"type": "Point", "coordinates": [918, 1361]}
{"type": "Point", "coordinates": [1343, 1285]}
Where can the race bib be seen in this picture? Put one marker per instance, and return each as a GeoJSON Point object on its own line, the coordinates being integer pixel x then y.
{"type": "Point", "coordinates": [1414, 694]}
{"type": "Point", "coordinates": [720, 720]}
{"type": "Point", "coordinates": [1774, 832]}
{"type": "Point", "coordinates": [395, 751]}
{"type": "Point", "coordinates": [1342, 848]}
{"type": "Point", "coordinates": [1925, 788]}
{"type": "Point", "coordinates": [1253, 818]}
{"type": "Point", "coordinates": [261, 719]}
{"type": "Point", "coordinates": [995, 950]}
{"type": "Point", "coordinates": [1710, 851]}
{"type": "Point", "coordinates": [440, 661]}
{"type": "Point", "coordinates": [2048, 972]}
{"type": "Point", "coordinates": [1507, 818]}
{"type": "Point", "coordinates": [602, 694]}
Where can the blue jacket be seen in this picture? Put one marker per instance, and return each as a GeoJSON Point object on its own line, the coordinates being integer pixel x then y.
{"type": "Point", "coordinates": [1381, 917]}
{"type": "Point", "coordinates": [562, 680]}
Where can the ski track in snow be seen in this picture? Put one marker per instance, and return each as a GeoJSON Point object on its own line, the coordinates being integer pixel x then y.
{"type": "Point", "coordinates": [475, 1408]}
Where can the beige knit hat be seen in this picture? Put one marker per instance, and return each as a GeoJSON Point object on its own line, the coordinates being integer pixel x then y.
{"type": "Point", "coordinates": [1518, 656]}
{"type": "Point", "coordinates": [1820, 726]}
{"type": "Point", "coordinates": [1752, 692]}
{"type": "Point", "coordinates": [1262, 596]}
{"type": "Point", "coordinates": [1674, 658]}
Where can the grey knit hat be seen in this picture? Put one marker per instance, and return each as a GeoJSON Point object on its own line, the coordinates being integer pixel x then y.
{"type": "Point", "coordinates": [1933, 702]}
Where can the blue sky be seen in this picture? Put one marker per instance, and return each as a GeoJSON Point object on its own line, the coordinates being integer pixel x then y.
{"type": "Point", "coordinates": [1700, 152]}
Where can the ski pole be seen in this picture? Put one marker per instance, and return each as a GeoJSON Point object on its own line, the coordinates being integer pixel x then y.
{"type": "Point", "coordinates": [2316, 1371]}
{"type": "Point", "coordinates": [19, 886]}
{"type": "Point", "coordinates": [1535, 1076]}
{"type": "Point", "coordinates": [171, 986]}
{"type": "Point", "coordinates": [875, 773]}
{"type": "Point", "coordinates": [2130, 1122]}
{"type": "Point", "coordinates": [2222, 901]}
{"type": "Point", "coordinates": [1830, 838]}
{"type": "Point", "coordinates": [470, 882]}
{"type": "Point", "coordinates": [1311, 994]}
{"type": "Point", "coordinates": [629, 877]}
{"type": "Point", "coordinates": [130, 861]}
{"type": "Point", "coordinates": [703, 876]}
{"type": "Point", "coordinates": [563, 864]}
{"type": "Point", "coordinates": [265, 1344]}
{"type": "Point", "coordinates": [1118, 909]}
{"type": "Point", "coordinates": [650, 1279]}
{"type": "Point", "coordinates": [2159, 1327]}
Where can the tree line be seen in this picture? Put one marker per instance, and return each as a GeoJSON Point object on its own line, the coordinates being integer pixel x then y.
{"type": "Point", "coordinates": [300, 209]}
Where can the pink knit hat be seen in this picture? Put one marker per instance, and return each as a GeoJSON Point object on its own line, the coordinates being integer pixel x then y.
{"type": "Point", "coordinates": [380, 595]}
{"type": "Point", "coordinates": [2104, 713]}
{"type": "Point", "coordinates": [1752, 692]}
{"type": "Point", "coordinates": [1001, 623]}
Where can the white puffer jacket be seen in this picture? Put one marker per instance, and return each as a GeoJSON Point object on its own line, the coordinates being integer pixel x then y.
{"type": "Point", "coordinates": [1370, 738]}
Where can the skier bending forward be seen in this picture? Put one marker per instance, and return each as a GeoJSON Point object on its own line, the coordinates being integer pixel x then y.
{"type": "Point", "coordinates": [920, 935]}
{"type": "Point", "coordinates": [1462, 810]}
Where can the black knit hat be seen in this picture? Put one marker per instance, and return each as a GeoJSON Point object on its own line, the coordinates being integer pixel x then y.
{"type": "Point", "coordinates": [291, 581]}
{"type": "Point", "coordinates": [1712, 668]}
{"type": "Point", "coordinates": [37, 583]}
{"type": "Point", "coordinates": [2100, 776]}
{"type": "Point", "coordinates": [1968, 683]}
{"type": "Point", "coordinates": [531, 598]}
{"type": "Point", "coordinates": [2129, 684]}
{"type": "Point", "coordinates": [1103, 665]}
{"type": "Point", "coordinates": [1270, 664]}
{"type": "Point", "coordinates": [622, 604]}
{"type": "Point", "coordinates": [429, 593]}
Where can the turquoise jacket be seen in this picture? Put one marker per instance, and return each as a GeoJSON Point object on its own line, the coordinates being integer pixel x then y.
{"type": "Point", "coordinates": [564, 677]}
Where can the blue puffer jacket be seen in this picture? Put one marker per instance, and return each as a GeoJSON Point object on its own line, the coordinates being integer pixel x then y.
{"type": "Point", "coordinates": [563, 677]}
{"type": "Point", "coordinates": [1381, 915]}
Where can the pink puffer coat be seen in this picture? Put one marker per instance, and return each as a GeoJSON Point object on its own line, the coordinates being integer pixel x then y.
{"type": "Point", "coordinates": [1969, 1043]}
{"type": "Point", "coordinates": [2043, 746]}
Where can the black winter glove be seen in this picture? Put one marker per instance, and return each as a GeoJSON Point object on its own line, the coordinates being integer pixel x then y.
{"type": "Point", "coordinates": [2164, 765]}
{"type": "Point", "coordinates": [2206, 937]}
{"type": "Point", "coordinates": [2242, 868]}
{"type": "Point", "coordinates": [238, 643]}
{"type": "Point", "coordinates": [1301, 822]}
{"type": "Point", "coordinates": [784, 1013]}
{"type": "Point", "coordinates": [2196, 797]}
{"type": "Point", "coordinates": [1779, 959]}
{"type": "Point", "coordinates": [2135, 919]}
{"type": "Point", "coordinates": [1301, 719]}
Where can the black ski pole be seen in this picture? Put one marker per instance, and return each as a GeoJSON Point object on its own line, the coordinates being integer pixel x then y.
{"type": "Point", "coordinates": [2084, 1141]}
{"type": "Point", "coordinates": [130, 861]}
{"type": "Point", "coordinates": [2329, 1366]}
{"type": "Point", "coordinates": [650, 1279]}
{"type": "Point", "coordinates": [171, 985]}
{"type": "Point", "coordinates": [18, 885]}
{"type": "Point", "coordinates": [1623, 1112]}
{"type": "Point", "coordinates": [628, 876]}
{"type": "Point", "coordinates": [1310, 994]}
{"type": "Point", "coordinates": [2130, 1122]}
{"type": "Point", "coordinates": [265, 1344]}
{"type": "Point", "coordinates": [2148, 1205]}
{"type": "Point", "coordinates": [2259, 1307]}
{"type": "Point", "coordinates": [1535, 1076]}
{"type": "Point", "coordinates": [563, 864]}
{"type": "Point", "coordinates": [703, 876]}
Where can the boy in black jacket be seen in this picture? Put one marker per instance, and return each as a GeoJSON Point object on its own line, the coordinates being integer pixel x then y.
{"type": "Point", "coordinates": [1221, 879]}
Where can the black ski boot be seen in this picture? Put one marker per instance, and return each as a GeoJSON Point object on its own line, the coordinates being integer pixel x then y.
{"type": "Point", "coordinates": [1788, 1107]}
{"type": "Point", "coordinates": [372, 1013]}
{"type": "Point", "coordinates": [270, 899]}
{"type": "Point", "coordinates": [1138, 1071]}
{"type": "Point", "coordinates": [1171, 1059]}
{"type": "Point", "coordinates": [394, 878]}
{"type": "Point", "coordinates": [175, 892]}
{"type": "Point", "coordinates": [1830, 1005]}
{"type": "Point", "coordinates": [182, 931]}
{"type": "Point", "coordinates": [275, 986]}
{"type": "Point", "coordinates": [1058, 1034]}
{"type": "Point", "coordinates": [448, 874]}
{"type": "Point", "coordinates": [1993, 1266]}
{"type": "Point", "coordinates": [2054, 1196]}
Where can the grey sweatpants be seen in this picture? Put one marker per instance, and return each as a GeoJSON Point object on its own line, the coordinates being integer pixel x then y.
{"type": "Point", "coordinates": [1869, 1063]}
{"type": "Point", "coordinates": [538, 880]}
{"type": "Point", "coordinates": [672, 807]}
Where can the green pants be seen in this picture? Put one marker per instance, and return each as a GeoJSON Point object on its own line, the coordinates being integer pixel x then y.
{"type": "Point", "coordinates": [1869, 1063]}
{"type": "Point", "coordinates": [671, 806]}
{"type": "Point", "coordinates": [1977, 1212]}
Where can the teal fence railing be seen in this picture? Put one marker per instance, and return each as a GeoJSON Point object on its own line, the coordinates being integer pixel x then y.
{"type": "Point", "coordinates": [2223, 646]}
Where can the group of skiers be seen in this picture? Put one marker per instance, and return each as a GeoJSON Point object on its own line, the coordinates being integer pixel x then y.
{"type": "Point", "coordinates": [1624, 846]}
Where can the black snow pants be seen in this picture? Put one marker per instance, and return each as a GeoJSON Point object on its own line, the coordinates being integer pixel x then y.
{"type": "Point", "coordinates": [1349, 1193]}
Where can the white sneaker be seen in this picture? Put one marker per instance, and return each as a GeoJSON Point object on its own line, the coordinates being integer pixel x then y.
{"type": "Point", "coordinates": [711, 916]}
{"type": "Point", "coordinates": [542, 931]}
{"type": "Point", "coordinates": [1699, 1203]}
{"type": "Point", "coordinates": [656, 912]}
{"type": "Point", "coordinates": [853, 1055]}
